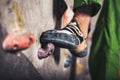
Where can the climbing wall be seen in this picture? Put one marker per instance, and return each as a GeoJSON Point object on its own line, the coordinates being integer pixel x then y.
{"type": "Point", "coordinates": [36, 16]}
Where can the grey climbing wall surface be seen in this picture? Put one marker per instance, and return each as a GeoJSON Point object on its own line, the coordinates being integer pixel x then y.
{"type": "Point", "coordinates": [36, 16]}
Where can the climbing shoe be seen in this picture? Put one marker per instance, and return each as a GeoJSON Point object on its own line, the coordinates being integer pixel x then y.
{"type": "Point", "coordinates": [69, 37]}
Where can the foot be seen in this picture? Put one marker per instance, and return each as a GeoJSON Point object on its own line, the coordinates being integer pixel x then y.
{"type": "Point", "coordinates": [70, 37]}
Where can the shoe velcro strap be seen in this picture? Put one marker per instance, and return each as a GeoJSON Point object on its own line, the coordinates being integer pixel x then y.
{"type": "Point", "coordinates": [74, 28]}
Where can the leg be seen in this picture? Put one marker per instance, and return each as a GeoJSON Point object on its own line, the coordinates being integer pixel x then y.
{"type": "Point", "coordinates": [82, 16]}
{"type": "Point", "coordinates": [48, 48]}
{"type": "Point", "coordinates": [67, 16]}
{"type": "Point", "coordinates": [74, 35]}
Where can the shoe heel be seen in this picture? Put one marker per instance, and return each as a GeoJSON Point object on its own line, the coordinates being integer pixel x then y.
{"type": "Point", "coordinates": [79, 53]}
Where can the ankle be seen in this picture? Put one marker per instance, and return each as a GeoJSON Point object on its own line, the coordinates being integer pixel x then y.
{"type": "Point", "coordinates": [83, 22]}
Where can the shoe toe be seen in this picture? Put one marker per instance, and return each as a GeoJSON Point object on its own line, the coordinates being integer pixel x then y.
{"type": "Point", "coordinates": [62, 40]}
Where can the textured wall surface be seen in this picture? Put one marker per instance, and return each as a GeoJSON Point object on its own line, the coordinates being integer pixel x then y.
{"type": "Point", "coordinates": [36, 16]}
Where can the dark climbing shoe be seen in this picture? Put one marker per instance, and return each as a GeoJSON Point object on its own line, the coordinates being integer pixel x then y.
{"type": "Point", "coordinates": [69, 37]}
